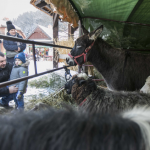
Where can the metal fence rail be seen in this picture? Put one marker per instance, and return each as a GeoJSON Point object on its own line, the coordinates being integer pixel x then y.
{"type": "Point", "coordinates": [29, 77]}
{"type": "Point", "coordinates": [30, 42]}
{"type": "Point", "coordinates": [35, 67]}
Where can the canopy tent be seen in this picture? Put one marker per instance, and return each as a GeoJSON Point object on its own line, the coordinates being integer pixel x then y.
{"type": "Point", "coordinates": [126, 22]}
{"type": "Point", "coordinates": [124, 10]}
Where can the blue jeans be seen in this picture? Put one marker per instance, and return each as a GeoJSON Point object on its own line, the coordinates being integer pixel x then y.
{"type": "Point", "coordinates": [6, 99]}
{"type": "Point", "coordinates": [19, 102]}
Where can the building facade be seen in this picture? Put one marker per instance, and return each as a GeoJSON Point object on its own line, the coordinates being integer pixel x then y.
{"type": "Point", "coordinates": [41, 34]}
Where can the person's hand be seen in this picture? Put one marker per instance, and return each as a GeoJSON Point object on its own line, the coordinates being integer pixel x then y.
{"type": "Point", "coordinates": [13, 89]}
{"type": "Point", "coordinates": [19, 95]}
{"type": "Point", "coordinates": [19, 49]}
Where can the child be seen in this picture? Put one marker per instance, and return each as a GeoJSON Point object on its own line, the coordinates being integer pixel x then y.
{"type": "Point", "coordinates": [19, 70]}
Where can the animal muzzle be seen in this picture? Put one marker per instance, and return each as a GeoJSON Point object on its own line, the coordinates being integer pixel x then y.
{"type": "Point", "coordinates": [70, 61]}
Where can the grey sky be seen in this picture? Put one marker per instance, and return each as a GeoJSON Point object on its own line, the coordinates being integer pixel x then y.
{"type": "Point", "coordinates": [13, 8]}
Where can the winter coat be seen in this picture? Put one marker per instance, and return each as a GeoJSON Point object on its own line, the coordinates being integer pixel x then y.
{"type": "Point", "coordinates": [11, 46]}
{"type": "Point", "coordinates": [4, 76]}
{"type": "Point", "coordinates": [19, 72]}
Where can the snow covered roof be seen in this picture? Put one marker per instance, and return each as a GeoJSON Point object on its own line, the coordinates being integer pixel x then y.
{"type": "Point", "coordinates": [2, 23]}
{"type": "Point", "coordinates": [47, 31]}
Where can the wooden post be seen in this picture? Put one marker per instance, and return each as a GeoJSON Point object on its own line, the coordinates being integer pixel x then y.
{"type": "Point", "coordinates": [80, 34]}
{"type": "Point", "coordinates": [70, 31]}
{"type": "Point", "coordinates": [86, 69]}
{"type": "Point", "coordinates": [90, 68]}
{"type": "Point", "coordinates": [55, 37]}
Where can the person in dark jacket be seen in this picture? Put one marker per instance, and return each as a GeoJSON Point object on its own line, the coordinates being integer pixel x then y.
{"type": "Point", "coordinates": [12, 47]}
{"type": "Point", "coordinates": [19, 70]}
{"type": "Point", "coordinates": [5, 71]}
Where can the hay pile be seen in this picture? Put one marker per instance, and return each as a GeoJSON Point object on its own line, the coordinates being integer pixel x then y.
{"type": "Point", "coordinates": [69, 43]}
{"type": "Point", "coordinates": [56, 99]}
{"type": "Point", "coordinates": [51, 80]}
{"type": "Point", "coordinates": [65, 9]}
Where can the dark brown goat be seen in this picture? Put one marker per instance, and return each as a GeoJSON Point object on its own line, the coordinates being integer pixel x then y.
{"type": "Point", "coordinates": [121, 70]}
{"type": "Point", "coordinates": [97, 99]}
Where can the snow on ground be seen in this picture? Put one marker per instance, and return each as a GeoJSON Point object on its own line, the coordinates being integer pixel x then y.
{"type": "Point", "coordinates": [41, 67]}
{"type": "Point", "coordinates": [45, 66]}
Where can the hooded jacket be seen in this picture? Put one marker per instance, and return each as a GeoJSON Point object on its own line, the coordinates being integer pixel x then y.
{"type": "Point", "coordinates": [11, 46]}
{"type": "Point", "coordinates": [4, 76]}
{"type": "Point", "coordinates": [19, 72]}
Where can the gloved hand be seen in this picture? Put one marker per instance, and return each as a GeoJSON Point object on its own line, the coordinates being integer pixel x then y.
{"type": "Point", "coordinates": [19, 94]}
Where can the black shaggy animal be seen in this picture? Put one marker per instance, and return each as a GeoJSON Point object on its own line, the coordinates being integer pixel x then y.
{"type": "Point", "coordinates": [71, 130]}
{"type": "Point", "coordinates": [121, 70]}
{"type": "Point", "coordinates": [93, 99]}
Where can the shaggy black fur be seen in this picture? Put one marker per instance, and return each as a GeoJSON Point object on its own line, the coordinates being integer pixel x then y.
{"type": "Point", "coordinates": [69, 130]}
{"type": "Point", "coordinates": [81, 88]}
{"type": "Point", "coordinates": [121, 70]}
{"type": "Point", "coordinates": [104, 100]}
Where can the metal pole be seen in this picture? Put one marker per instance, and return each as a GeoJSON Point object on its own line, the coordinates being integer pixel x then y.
{"type": "Point", "coordinates": [80, 33]}
{"type": "Point", "coordinates": [34, 58]}
{"type": "Point", "coordinates": [30, 42]}
{"type": "Point", "coordinates": [55, 37]}
{"type": "Point", "coordinates": [29, 77]}
{"type": "Point", "coordinates": [35, 67]}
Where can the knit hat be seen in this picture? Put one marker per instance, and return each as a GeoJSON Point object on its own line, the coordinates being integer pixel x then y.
{"type": "Point", "coordinates": [21, 56]}
{"type": "Point", "coordinates": [10, 25]}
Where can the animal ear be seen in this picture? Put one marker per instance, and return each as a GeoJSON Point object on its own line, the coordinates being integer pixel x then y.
{"type": "Point", "coordinates": [81, 82]}
{"type": "Point", "coordinates": [84, 30]}
{"type": "Point", "coordinates": [95, 34]}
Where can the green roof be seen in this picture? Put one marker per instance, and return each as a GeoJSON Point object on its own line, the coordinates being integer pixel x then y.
{"type": "Point", "coordinates": [126, 22]}
{"type": "Point", "coordinates": [121, 10]}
